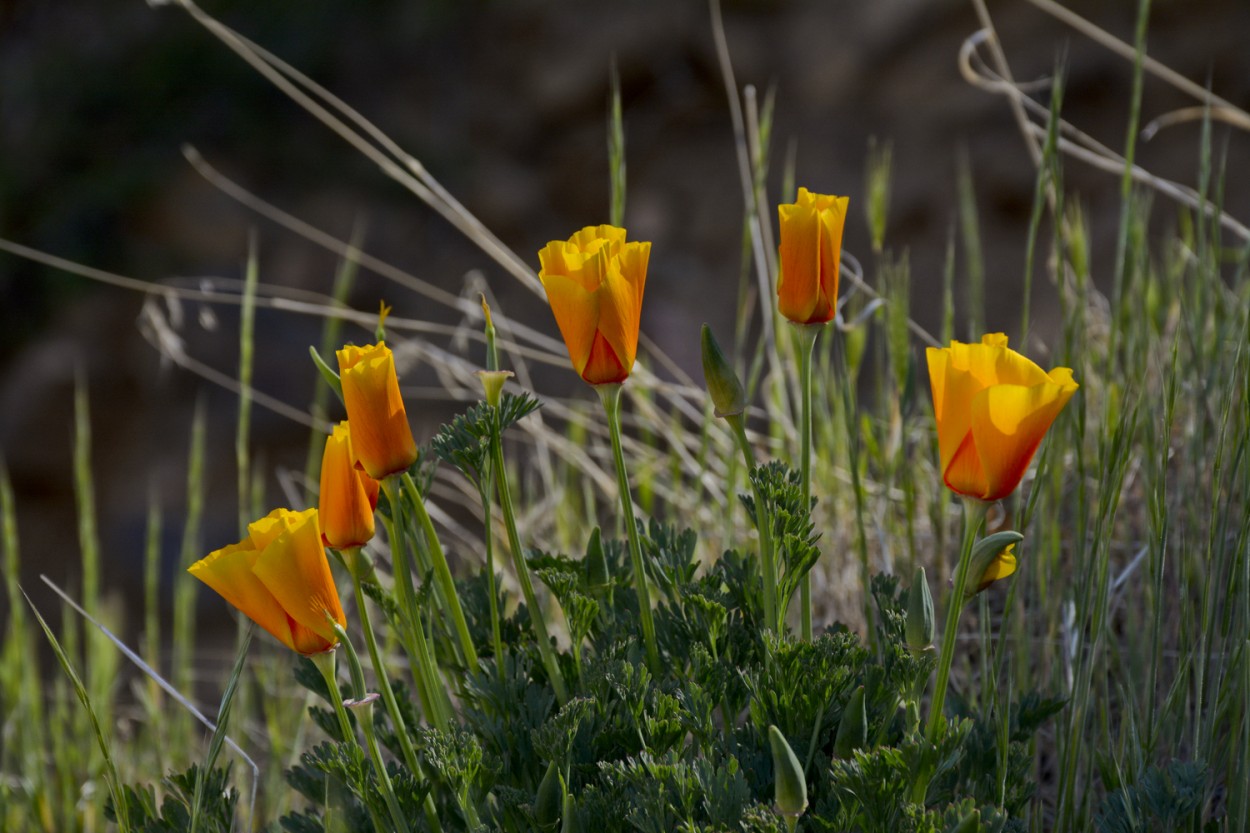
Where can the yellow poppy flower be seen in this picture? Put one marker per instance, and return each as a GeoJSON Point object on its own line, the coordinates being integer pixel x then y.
{"type": "Point", "coordinates": [594, 283]}
{"type": "Point", "coordinates": [278, 575]}
{"type": "Point", "coordinates": [993, 407]}
{"type": "Point", "coordinates": [348, 495]}
{"type": "Point", "coordinates": [810, 254]}
{"type": "Point", "coordinates": [381, 436]}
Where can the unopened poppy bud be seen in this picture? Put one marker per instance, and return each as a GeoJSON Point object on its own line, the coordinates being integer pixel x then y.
{"type": "Point", "coordinates": [722, 382]}
{"type": "Point", "coordinates": [597, 573]}
{"type": "Point", "coordinates": [492, 383]}
{"type": "Point", "coordinates": [550, 798]}
{"type": "Point", "coordinates": [492, 355]}
{"type": "Point", "coordinates": [920, 626]}
{"type": "Point", "coordinates": [379, 332]}
{"type": "Point", "coordinates": [912, 713]}
{"type": "Point", "coordinates": [992, 559]}
{"type": "Point", "coordinates": [791, 786]}
{"type": "Point", "coordinates": [568, 819]}
{"type": "Point", "coordinates": [853, 727]}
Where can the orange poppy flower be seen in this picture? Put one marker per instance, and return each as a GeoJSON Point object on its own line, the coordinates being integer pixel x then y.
{"type": "Point", "coordinates": [993, 407]}
{"type": "Point", "coordinates": [810, 254]}
{"type": "Point", "coordinates": [278, 575]}
{"type": "Point", "coordinates": [594, 282]}
{"type": "Point", "coordinates": [348, 495]}
{"type": "Point", "coordinates": [381, 436]}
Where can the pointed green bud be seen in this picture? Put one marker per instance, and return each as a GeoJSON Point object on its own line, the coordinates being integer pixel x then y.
{"type": "Point", "coordinates": [379, 332]}
{"type": "Point", "coordinates": [992, 559]}
{"type": "Point", "coordinates": [723, 386]}
{"type": "Point", "coordinates": [492, 355]}
{"type": "Point", "coordinates": [550, 798]}
{"type": "Point", "coordinates": [791, 785]}
{"type": "Point", "coordinates": [597, 574]}
{"type": "Point", "coordinates": [853, 727]}
{"type": "Point", "coordinates": [492, 383]}
{"type": "Point", "coordinates": [912, 713]}
{"type": "Point", "coordinates": [568, 819]}
{"type": "Point", "coordinates": [920, 626]}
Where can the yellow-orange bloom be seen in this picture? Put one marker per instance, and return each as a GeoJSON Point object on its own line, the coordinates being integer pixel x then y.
{"type": "Point", "coordinates": [348, 495]}
{"type": "Point", "coordinates": [993, 407]}
{"type": "Point", "coordinates": [810, 253]}
{"type": "Point", "coordinates": [278, 575]}
{"type": "Point", "coordinates": [381, 436]}
{"type": "Point", "coordinates": [594, 283]}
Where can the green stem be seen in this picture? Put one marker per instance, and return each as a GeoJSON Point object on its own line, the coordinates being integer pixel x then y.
{"type": "Point", "coordinates": [974, 514]}
{"type": "Point", "coordinates": [522, 569]}
{"type": "Point", "coordinates": [357, 566]}
{"type": "Point", "coordinates": [442, 574]}
{"type": "Point", "coordinates": [610, 396]}
{"type": "Point", "coordinates": [412, 633]}
{"type": "Point", "coordinates": [355, 559]}
{"type": "Point", "coordinates": [805, 340]}
{"type": "Point", "coordinates": [496, 633]}
{"type": "Point", "coordinates": [763, 524]}
{"type": "Point", "coordinates": [365, 720]}
{"type": "Point", "coordinates": [325, 664]}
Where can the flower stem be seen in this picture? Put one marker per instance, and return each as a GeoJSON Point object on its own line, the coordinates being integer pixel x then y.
{"type": "Point", "coordinates": [357, 566]}
{"type": "Point", "coordinates": [365, 706]}
{"type": "Point", "coordinates": [974, 514]}
{"type": "Point", "coordinates": [610, 396]}
{"type": "Point", "coordinates": [522, 569]}
{"type": "Point", "coordinates": [325, 664]}
{"type": "Point", "coordinates": [485, 488]}
{"type": "Point", "coordinates": [805, 337]}
{"type": "Point", "coordinates": [763, 523]}
{"type": "Point", "coordinates": [442, 574]}
{"type": "Point", "coordinates": [412, 633]}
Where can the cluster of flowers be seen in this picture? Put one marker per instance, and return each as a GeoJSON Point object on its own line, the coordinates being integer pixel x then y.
{"type": "Point", "coordinates": [992, 406]}
{"type": "Point", "coordinates": [278, 575]}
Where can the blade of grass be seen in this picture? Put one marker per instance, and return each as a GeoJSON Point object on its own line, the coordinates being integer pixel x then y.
{"type": "Point", "coordinates": [110, 769]}
{"type": "Point", "coordinates": [165, 685]}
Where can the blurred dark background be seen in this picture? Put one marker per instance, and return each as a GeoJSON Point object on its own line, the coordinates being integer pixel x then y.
{"type": "Point", "coordinates": [504, 102]}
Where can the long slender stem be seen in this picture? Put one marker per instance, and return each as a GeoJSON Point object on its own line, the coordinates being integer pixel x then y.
{"type": "Point", "coordinates": [365, 718]}
{"type": "Point", "coordinates": [768, 565]}
{"type": "Point", "coordinates": [325, 664]}
{"type": "Point", "coordinates": [974, 514]}
{"type": "Point", "coordinates": [522, 569]}
{"type": "Point", "coordinates": [356, 563]}
{"type": "Point", "coordinates": [357, 566]}
{"type": "Point", "coordinates": [496, 633]}
{"type": "Point", "coordinates": [429, 689]}
{"type": "Point", "coordinates": [610, 396]}
{"type": "Point", "coordinates": [442, 574]}
{"type": "Point", "coordinates": [805, 340]}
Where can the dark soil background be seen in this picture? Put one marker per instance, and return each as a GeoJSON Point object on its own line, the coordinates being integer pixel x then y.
{"type": "Point", "coordinates": [505, 102]}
